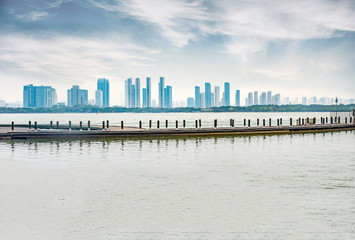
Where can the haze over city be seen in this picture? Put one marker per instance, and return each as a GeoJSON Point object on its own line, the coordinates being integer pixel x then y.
{"type": "Point", "coordinates": [296, 48]}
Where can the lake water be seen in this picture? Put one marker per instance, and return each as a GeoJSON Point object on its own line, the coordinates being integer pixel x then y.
{"type": "Point", "coordinates": [299, 186]}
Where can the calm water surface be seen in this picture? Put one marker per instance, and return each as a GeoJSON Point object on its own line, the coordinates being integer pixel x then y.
{"type": "Point", "coordinates": [261, 187]}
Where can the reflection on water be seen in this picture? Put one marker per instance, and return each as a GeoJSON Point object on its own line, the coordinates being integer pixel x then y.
{"type": "Point", "coordinates": [298, 186]}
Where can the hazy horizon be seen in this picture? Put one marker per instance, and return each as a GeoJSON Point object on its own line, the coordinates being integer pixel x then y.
{"type": "Point", "coordinates": [295, 48]}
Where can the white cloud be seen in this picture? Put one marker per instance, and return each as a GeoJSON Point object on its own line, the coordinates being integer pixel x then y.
{"type": "Point", "coordinates": [247, 24]}
{"type": "Point", "coordinates": [62, 58]}
{"type": "Point", "coordinates": [32, 16]}
{"type": "Point", "coordinates": [178, 20]}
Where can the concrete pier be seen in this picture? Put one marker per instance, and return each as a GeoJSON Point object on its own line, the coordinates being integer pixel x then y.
{"type": "Point", "coordinates": [13, 131]}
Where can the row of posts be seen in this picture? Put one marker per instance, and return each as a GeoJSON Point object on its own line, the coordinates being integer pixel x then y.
{"type": "Point", "coordinates": [198, 124]}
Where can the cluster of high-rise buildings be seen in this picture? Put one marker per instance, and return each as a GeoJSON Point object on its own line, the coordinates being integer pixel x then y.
{"type": "Point", "coordinates": [39, 96]}
{"type": "Point", "coordinates": [209, 98]}
{"type": "Point", "coordinates": [46, 96]}
{"type": "Point", "coordinates": [265, 98]}
{"type": "Point", "coordinates": [133, 95]}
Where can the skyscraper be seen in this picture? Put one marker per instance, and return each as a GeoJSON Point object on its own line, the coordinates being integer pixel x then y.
{"type": "Point", "coordinates": [277, 100]}
{"type": "Point", "coordinates": [168, 98]}
{"type": "Point", "coordinates": [263, 98]}
{"type": "Point", "coordinates": [29, 96]}
{"type": "Point", "coordinates": [133, 97]}
{"type": "Point", "coordinates": [127, 88]}
{"type": "Point", "coordinates": [138, 93]}
{"type": "Point", "coordinates": [250, 99]}
{"type": "Point", "coordinates": [104, 85]}
{"type": "Point", "coordinates": [269, 98]}
{"type": "Point", "coordinates": [256, 98]}
{"type": "Point", "coordinates": [237, 98]}
{"type": "Point", "coordinates": [207, 95]}
{"type": "Point", "coordinates": [217, 97]}
{"type": "Point", "coordinates": [304, 100]}
{"type": "Point", "coordinates": [227, 100]}
{"type": "Point", "coordinates": [212, 99]}
{"type": "Point", "coordinates": [98, 98]}
{"type": "Point", "coordinates": [161, 92]}
{"type": "Point", "coordinates": [197, 97]}
{"type": "Point", "coordinates": [149, 95]}
{"type": "Point", "coordinates": [144, 97]}
{"type": "Point", "coordinates": [39, 96]}
{"type": "Point", "coordinates": [203, 98]}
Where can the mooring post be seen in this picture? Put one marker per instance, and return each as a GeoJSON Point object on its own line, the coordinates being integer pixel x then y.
{"type": "Point", "coordinates": [177, 124]}
{"type": "Point", "coordinates": [103, 125]}
{"type": "Point", "coordinates": [196, 124]}
{"type": "Point", "coordinates": [307, 120]}
{"type": "Point", "coordinates": [29, 125]}
{"type": "Point", "coordinates": [166, 123]}
{"type": "Point", "coordinates": [331, 120]}
{"type": "Point", "coordinates": [89, 125]}
{"type": "Point", "coordinates": [245, 122]}
{"type": "Point", "coordinates": [346, 120]}
{"type": "Point", "coordinates": [184, 123]}
{"type": "Point", "coordinates": [12, 126]}
{"type": "Point", "coordinates": [269, 122]}
{"type": "Point", "coordinates": [150, 124]}
{"type": "Point", "coordinates": [69, 125]}
{"type": "Point", "coordinates": [291, 122]}
{"type": "Point", "coordinates": [263, 122]}
{"type": "Point", "coordinates": [257, 122]}
{"type": "Point", "coordinates": [121, 125]}
{"type": "Point", "coordinates": [302, 121]}
{"type": "Point", "coordinates": [199, 122]}
{"type": "Point", "coordinates": [278, 122]}
{"type": "Point", "coordinates": [326, 120]}
{"type": "Point", "coordinates": [57, 125]}
{"type": "Point", "coordinates": [158, 123]}
{"type": "Point", "coordinates": [51, 125]}
{"type": "Point", "coordinates": [35, 126]}
{"type": "Point", "coordinates": [299, 122]}
{"type": "Point", "coordinates": [233, 123]}
{"type": "Point", "coordinates": [351, 120]}
{"type": "Point", "coordinates": [314, 121]}
{"type": "Point", "coordinates": [338, 119]}
{"type": "Point", "coordinates": [215, 123]}
{"type": "Point", "coordinates": [107, 124]}
{"type": "Point", "coordinates": [140, 124]}
{"type": "Point", "coordinates": [248, 123]}
{"type": "Point", "coordinates": [81, 126]}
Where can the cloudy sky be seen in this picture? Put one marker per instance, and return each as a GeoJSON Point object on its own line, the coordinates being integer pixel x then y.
{"type": "Point", "coordinates": [297, 48]}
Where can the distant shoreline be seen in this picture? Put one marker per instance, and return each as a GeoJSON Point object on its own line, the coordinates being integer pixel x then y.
{"type": "Point", "coordinates": [256, 108]}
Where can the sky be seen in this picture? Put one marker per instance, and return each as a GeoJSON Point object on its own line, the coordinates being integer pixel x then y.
{"type": "Point", "coordinates": [295, 48]}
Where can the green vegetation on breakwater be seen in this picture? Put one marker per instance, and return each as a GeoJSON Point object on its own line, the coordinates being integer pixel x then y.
{"type": "Point", "coordinates": [115, 109]}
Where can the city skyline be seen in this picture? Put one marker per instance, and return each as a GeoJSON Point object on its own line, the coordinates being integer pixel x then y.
{"type": "Point", "coordinates": [46, 96]}
{"type": "Point", "coordinates": [252, 45]}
